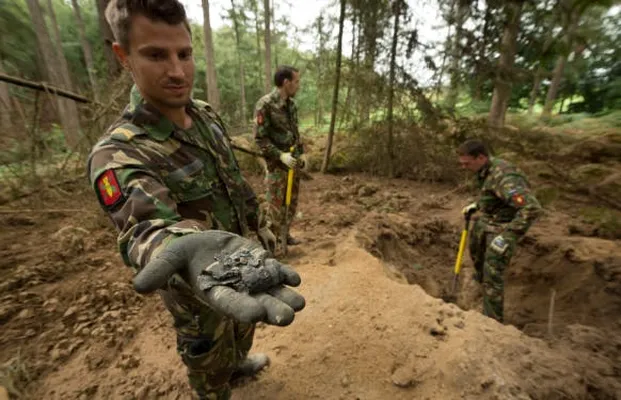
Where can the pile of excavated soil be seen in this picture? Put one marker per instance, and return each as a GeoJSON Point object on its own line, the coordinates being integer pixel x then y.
{"type": "Point", "coordinates": [376, 255]}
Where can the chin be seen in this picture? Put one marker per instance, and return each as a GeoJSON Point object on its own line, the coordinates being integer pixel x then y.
{"type": "Point", "coordinates": [176, 103]}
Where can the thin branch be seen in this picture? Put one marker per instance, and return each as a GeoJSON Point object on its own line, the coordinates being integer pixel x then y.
{"type": "Point", "coordinates": [44, 88]}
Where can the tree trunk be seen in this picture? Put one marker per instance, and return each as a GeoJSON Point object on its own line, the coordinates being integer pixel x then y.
{"type": "Point", "coordinates": [275, 35]}
{"type": "Point", "coordinates": [352, 74]}
{"type": "Point", "coordinates": [372, 36]}
{"type": "Point", "coordinates": [320, 78]}
{"type": "Point", "coordinates": [534, 94]}
{"type": "Point", "coordinates": [572, 18]}
{"type": "Point", "coordinates": [67, 109]}
{"type": "Point", "coordinates": [508, 48]}
{"type": "Point", "coordinates": [268, 47]}
{"type": "Point", "coordinates": [391, 89]}
{"type": "Point", "coordinates": [358, 76]}
{"type": "Point", "coordinates": [257, 28]}
{"type": "Point", "coordinates": [114, 68]}
{"type": "Point", "coordinates": [447, 45]}
{"type": "Point", "coordinates": [5, 105]}
{"type": "Point", "coordinates": [560, 109]}
{"type": "Point", "coordinates": [86, 49]}
{"type": "Point", "coordinates": [460, 16]}
{"type": "Point", "coordinates": [213, 94]}
{"type": "Point", "coordinates": [438, 88]}
{"type": "Point", "coordinates": [554, 86]}
{"type": "Point", "coordinates": [242, 90]}
{"type": "Point", "coordinates": [60, 54]}
{"type": "Point", "coordinates": [481, 72]}
{"type": "Point", "coordinates": [335, 96]}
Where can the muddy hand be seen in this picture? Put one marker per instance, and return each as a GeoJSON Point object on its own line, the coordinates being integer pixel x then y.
{"type": "Point", "coordinates": [233, 275]}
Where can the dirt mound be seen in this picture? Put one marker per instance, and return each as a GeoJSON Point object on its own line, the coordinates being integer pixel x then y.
{"type": "Point", "coordinates": [378, 340]}
{"type": "Point", "coordinates": [585, 274]}
{"type": "Point", "coordinates": [595, 149]}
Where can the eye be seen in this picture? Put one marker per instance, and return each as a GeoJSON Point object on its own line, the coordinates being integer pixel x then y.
{"type": "Point", "coordinates": [156, 55]}
{"type": "Point", "coordinates": [185, 54]}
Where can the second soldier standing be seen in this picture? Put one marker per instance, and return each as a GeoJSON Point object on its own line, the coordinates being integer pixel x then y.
{"type": "Point", "coordinates": [276, 133]}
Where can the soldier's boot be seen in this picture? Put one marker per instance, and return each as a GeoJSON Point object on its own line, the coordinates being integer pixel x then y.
{"type": "Point", "coordinates": [291, 241]}
{"type": "Point", "coordinates": [250, 366]}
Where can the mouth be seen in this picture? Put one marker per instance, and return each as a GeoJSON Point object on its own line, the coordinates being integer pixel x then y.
{"type": "Point", "coordinates": [176, 89]}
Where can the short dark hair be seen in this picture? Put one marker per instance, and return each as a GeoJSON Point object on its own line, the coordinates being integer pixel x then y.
{"type": "Point", "coordinates": [284, 72]}
{"type": "Point", "coordinates": [473, 148]}
{"type": "Point", "coordinates": [119, 14]}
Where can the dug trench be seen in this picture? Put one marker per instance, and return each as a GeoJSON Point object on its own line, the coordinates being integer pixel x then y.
{"type": "Point", "coordinates": [554, 281]}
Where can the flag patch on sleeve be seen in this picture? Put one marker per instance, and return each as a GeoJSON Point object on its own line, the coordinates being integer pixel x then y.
{"type": "Point", "coordinates": [109, 189]}
{"type": "Point", "coordinates": [519, 200]}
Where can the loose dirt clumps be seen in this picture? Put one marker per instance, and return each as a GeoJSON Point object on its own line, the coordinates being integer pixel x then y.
{"type": "Point", "coordinates": [376, 257]}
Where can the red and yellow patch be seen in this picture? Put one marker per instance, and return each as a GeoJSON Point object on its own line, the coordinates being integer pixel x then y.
{"type": "Point", "coordinates": [519, 200]}
{"type": "Point", "coordinates": [259, 118]}
{"type": "Point", "coordinates": [109, 189]}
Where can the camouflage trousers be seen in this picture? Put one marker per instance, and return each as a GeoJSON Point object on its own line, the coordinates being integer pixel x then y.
{"type": "Point", "coordinates": [276, 182]}
{"type": "Point", "coordinates": [490, 268]}
{"type": "Point", "coordinates": [210, 345]}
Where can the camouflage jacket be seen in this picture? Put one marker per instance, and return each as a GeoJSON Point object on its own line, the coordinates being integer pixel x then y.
{"type": "Point", "coordinates": [276, 127]}
{"type": "Point", "coordinates": [506, 197]}
{"type": "Point", "coordinates": [157, 181]}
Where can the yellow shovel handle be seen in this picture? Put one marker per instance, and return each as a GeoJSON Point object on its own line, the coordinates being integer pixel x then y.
{"type": "Point", "coordinates": [289, 187]}
{"type": "Point", "coordinates": [289, 183]}
{"type": "Point", "coordinates": [460, 253]}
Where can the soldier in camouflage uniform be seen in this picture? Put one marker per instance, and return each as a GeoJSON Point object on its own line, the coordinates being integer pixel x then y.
{"type": "Point", "coordinates": [276, 133]}
{"type": "Point", "coordinates": [166, 175]}
{"type": "Point", "coordinates": [508, 209]}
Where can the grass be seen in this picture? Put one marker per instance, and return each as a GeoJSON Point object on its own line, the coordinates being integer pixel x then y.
{"type": "Point", "coordinates": [606, 221]}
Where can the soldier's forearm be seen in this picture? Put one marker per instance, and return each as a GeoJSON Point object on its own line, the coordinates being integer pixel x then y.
{"type": "Point", "coordinates": [146, 239]}
{"type": "Point", "coordinates": [268, 149]}
{"type": "Point", "coordinates": [521, 223]}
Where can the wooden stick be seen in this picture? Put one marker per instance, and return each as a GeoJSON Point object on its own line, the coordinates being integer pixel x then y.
{"type": "Point", "coordinates": [44, 88]}
{"type": "Point", "coordinates": [551, 312]}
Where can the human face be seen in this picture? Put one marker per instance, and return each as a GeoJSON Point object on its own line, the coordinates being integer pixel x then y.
{"type": "Point", "coordinates": [160, 61]}
{"type": "Point", "coordinates": [473, 164]}
{"type": "Point", "coordinates": [292, 86]}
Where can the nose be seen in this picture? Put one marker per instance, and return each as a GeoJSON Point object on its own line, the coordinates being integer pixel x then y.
{"type": "Point", "coordinates": [175, 69]}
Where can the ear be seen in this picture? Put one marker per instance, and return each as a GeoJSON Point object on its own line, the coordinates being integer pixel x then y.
{"type": "Point", "coordinates": [121, 54]}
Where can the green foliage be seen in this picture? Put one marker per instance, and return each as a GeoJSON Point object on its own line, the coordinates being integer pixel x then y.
{"type": "Point", "coordinates": [547, 195]}
{"type": "Point", "coordinates": [607, 222]}
{"type": "Point", "coordinates": [17, 39]}
{"type": "Point", "coordinates": [419, 153]}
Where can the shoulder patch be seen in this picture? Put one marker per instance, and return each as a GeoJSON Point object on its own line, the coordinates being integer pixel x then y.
{"type": "Point", "coordinates": [125, 132]}
{"type": "Point", "coordinates": [108, 189]}
{"type": "Point", "coordinates": [260, 118]}
{"type": "Point", "coordinates": [518, 199]}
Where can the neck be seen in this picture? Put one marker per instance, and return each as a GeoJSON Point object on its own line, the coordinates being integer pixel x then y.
{"type": "Point", "coordinates": [176, 115]}
{"type": "Point", "coordinates": [483, 167]}
{"type": "Point", "coordinates": [283, 94]}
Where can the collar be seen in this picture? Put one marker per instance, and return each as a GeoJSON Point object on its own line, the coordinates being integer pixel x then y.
{"type": "Point", "coordinates": [278, 100]}
{"type": "Point", "coordinates": [484, 171]}
{"type": "Point", "coordinates": [151, 119]}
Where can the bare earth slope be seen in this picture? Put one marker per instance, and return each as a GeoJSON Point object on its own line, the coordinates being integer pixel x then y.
{"type": "Point", "coordinates": [375, 254]}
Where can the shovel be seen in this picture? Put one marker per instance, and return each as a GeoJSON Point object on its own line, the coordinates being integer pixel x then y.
{"type": "Point", "coordinates": [284, 225]}
{"type": "Point", "coordinates": [452, 296]}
